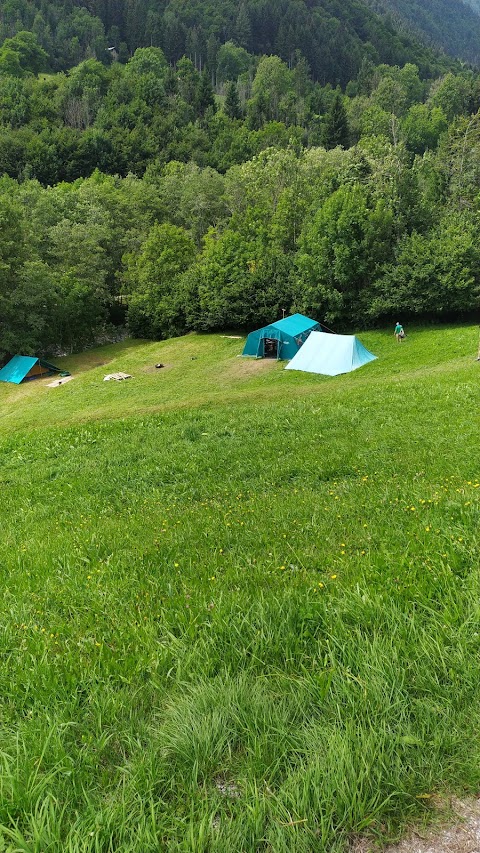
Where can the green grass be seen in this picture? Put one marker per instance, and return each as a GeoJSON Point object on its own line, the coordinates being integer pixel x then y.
{"type": "Point", "coordinates": [240, 605]}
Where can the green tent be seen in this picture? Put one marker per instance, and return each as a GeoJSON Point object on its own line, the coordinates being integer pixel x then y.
{"type": "Point", "coordinates": [280, 340]}
{"type": "Point", "coordinates": [21, 368]}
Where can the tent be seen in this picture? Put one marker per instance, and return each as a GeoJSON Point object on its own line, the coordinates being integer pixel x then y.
{"type": "Point", "coordinates": [330, 354]}
{"type": "Point", "coordinates": [24, 367]}
{"type": "Point", "coordinates": [282, 339]}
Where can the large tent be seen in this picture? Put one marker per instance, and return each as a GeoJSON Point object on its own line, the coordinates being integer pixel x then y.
{"type": "Point", "coordinates": [330, 354]}
{"type": "Point", "coordinates": [281, 340]}
{"type": "Point", "coordinates": [24, 367]}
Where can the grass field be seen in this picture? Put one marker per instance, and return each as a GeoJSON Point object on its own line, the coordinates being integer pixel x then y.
{"type": "Point", "coordinates": [240, 605]}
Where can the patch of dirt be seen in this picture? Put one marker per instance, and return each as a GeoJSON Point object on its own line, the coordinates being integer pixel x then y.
{"type": "Point", "coordinates": [227, 789]}
{"type": "Point", "coordinates": [461, 835]}
{"type": "Point", "coordinates": [60, 381]}
{"type": "Point", "coordinates": [250, 366]}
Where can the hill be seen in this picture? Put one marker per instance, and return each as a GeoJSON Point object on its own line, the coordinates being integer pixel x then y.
{"type": "Point", "coordinates": [334, 37]}
{"type": "Point", "coordinates": [453, 25]}
{"type": "Point", "coordinates": [240, 605]}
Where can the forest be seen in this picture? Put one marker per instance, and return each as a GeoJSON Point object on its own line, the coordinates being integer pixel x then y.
{"type": "Point", "coordinates": [332, 35]}
{"type": "Point", "coordinates": [153, 197]}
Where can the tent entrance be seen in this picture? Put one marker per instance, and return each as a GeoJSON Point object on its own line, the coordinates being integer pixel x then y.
{"type": "Point", "coordinates": [270, 348]}
{"type": "Point", "coordinates": [37, 371]}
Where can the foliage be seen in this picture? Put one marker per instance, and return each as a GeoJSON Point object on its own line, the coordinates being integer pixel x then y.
{"type": "Point", "coordinates": [22, 54]}
{"type": "Point", "coordinates": [335, 129]}
{"type": "Point", "coordinates": [340, 252]}
{"type": "Point", "coordinates": [150, 279]}
{"type": "Point", "coordinates": [233, 107]}
{"type": "Point", "coordinates": [447, 260]}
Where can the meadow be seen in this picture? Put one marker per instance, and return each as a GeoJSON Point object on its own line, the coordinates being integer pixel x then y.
{"type": "Point", "coordinates": [240, 605]}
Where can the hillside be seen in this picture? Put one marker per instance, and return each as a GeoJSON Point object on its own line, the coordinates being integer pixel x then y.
{"type": "Point", "coordinates": [333, 36]}
{"type": "Point", "coordinates": [206, 370]}
{"type": "Point", "coordinates": [453, 25]}
{"type": "Point", "coordinates": [240, 604]}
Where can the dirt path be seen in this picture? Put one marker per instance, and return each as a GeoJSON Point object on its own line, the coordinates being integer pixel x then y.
{"type": "Point", "coordinates": [462, 835]}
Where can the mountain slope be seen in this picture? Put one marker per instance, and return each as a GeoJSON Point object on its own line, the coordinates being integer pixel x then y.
{"type": "Point", "coordinates": [453, 25]}
{"type": "Point", "coordinates": [333, 35]}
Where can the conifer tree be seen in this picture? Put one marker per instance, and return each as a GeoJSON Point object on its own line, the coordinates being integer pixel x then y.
{"type": "Point", "coordinates": [233, 107]}
{"type": "Point", "coordinates": [205, 94]}
{"type": "Point", "coordinates": [243, 28]}
{"type": "Point", "coordinates": [335, 126]}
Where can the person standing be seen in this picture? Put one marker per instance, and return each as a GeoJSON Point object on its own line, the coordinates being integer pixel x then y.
{"type": "Point", "coordinates": [399, 333]}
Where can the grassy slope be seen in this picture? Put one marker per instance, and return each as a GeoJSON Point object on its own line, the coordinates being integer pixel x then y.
{"type": "Point", "coordinates": [240, 604]}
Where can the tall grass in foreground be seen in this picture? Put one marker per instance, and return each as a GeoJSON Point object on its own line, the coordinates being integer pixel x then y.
{"type": "Point", "coordinates": [243, 627]}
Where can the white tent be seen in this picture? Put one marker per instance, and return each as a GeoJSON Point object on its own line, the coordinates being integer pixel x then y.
{"type": "Point", "coordinates": [330, 354]}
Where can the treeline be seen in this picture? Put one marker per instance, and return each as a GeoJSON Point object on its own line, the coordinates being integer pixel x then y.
{"type": "Point", "coordinates": [333, 36]}
{"type": "Point", "coordinates": [348, 235]}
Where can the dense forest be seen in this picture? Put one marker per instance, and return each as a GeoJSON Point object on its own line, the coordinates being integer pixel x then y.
{"type": "Point", "coordinates": [333, 35]}
{"type": "Point", "coordinates": [137, 189]}
{"type": "Point", "coordinates": [217, 190]}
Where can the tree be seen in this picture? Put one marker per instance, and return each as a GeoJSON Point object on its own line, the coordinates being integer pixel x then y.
{"type": "Point", "coordinates": [232, 61]}
{"type": "Point", "coordinates": [422, 127]}
{"type": "Point", "coordinates": [243, 27]}
{"type": "Point", "coordinates": [81, 93]}
{"type": "Point", "coordinates": [28, 311]}
{"type": "Point", "coordinates": [10, 65]}
{"type": "Point", "coordinates": [205, 97]}
{"type": "Point", "coordinates": [188, 80]}
{"type": "Point", "coordinates": [79, 261]}
{"type": "Point", "coordinates": [212, 50]}
{"type": "Point", "coordinates": [174, 37]}
{"type": "Point", "coordinates": [22, 54]}
{"type": "Point", "coordinates": [233, 107]}
{"type": "Point", "coordinates": [452, 94]}
{"type": "Point", "coordinates": [12, 258]}
{"type": "Point", "coordinates": [459, 160]}
{"type": "Point", "coordinates": [241, 282]}
{"type": "Point", "coordinates": [301, 75]}
{"type": "Point", "coordinates": [434, 274]}
{"type": "Point", "coordinates": [341, 251]}
{"type": "Point", "coordinates": [15, 101]}
{"type": "Point", "coordinates": [271, 83]}
{"type": "Point", "coordinates": [335, 130]}
{"type": "Point", "coordinates": [152, 278]}
{"type": "Point", "coordinates": [190, 197]}
{"type": "Point", "coordinates": [147, 60]}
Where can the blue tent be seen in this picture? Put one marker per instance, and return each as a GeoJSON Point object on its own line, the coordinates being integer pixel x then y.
{"type": "Point", "coordinates": [282, 339]}
{"type": "Point", "coordinates": [22, 367]}
{"type": "Point", "coordinates": [330, 355]}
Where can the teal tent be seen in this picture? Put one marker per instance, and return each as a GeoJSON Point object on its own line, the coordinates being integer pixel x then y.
{"type": "Point", "coordinates": [330, 355]}
{"type": "Point", "coordinates": [281, 340]}
{"type": "Point", "coordinates": [24, 367]}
